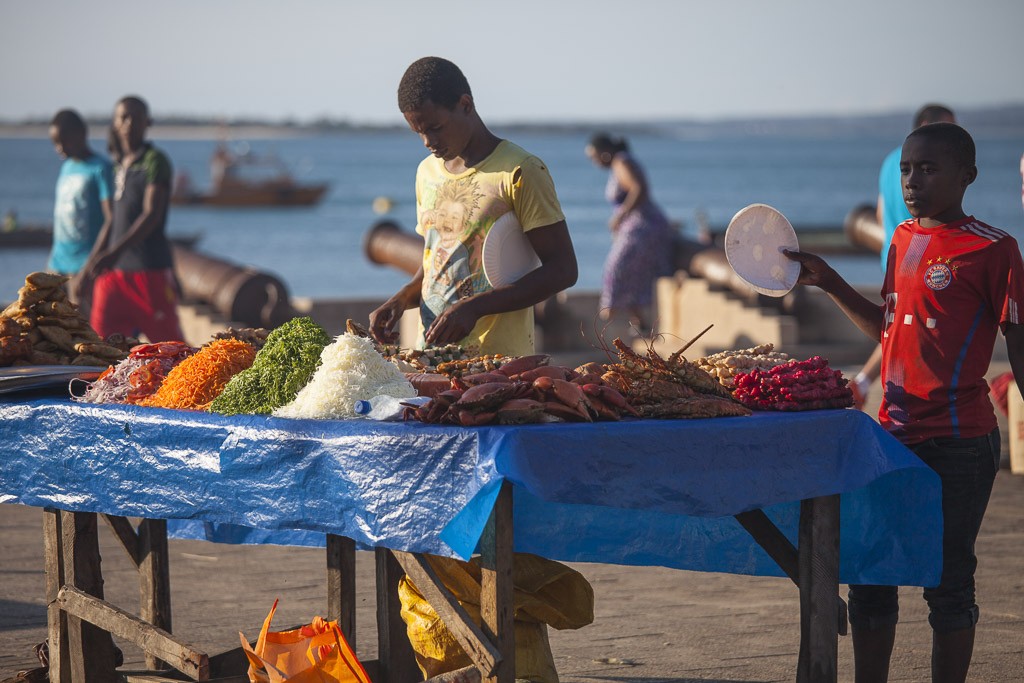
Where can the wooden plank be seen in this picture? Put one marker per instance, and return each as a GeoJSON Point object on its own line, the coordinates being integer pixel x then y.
{"type": "Point", "coordinates": [154, 579]}
{"type": "Point", "coordinates": [341, 585]}
{"type": "Point", "coordinates": [779, 548]}
{"type": "Point", "coordinates": [56, 619]}
{"type": "Point", "coordinates": [819, 583]}
{"type": "Point", "coordinates": [474, 642]}
{"type": "Point", "coordinates": [125, 533]}
{"type": "Point", "coordinates": [394, 651]}
{"type": "Point", "coordinates": [153, 640]}
{"type": "Point", "coordinates": [90, 650]}
{"type": "Point", "coordinates": [773, 541]}
{"type": "Point", "coordinates": [496, 608]}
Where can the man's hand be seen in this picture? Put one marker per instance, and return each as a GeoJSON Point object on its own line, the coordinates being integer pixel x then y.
{"type": "Point", "coordinates": [80, 287]}
{"type": "Point", "coordinates": [813, 269]}
{"type": "Point", "coordinates": [454, 324]}
{"type": "Point", "coordinates": [384, 321]}
{"type": "Point", "coordinates": [102, 263]}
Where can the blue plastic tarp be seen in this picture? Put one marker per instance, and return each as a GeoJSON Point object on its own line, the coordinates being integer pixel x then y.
{"type": "Point", "coordinates": [642, 492]}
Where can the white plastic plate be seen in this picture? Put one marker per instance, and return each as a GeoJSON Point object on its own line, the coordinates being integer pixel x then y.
{"type": "Point", "coordinates": [754, 241]}
{"type": "Point", "coordinates": [507, 253]}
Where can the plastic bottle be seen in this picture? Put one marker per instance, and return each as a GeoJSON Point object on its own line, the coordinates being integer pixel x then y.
{"type": "Point", "coordinates": [387, 408]}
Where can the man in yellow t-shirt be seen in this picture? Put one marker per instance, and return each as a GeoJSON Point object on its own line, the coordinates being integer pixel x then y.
{"type": "Point", "coordinates": [472, 179]}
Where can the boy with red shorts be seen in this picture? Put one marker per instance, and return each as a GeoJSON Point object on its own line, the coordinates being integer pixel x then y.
{"type": "Point", "coordinates": [951, 283]}
{"type": "Point", "coordinates": [135, 292]}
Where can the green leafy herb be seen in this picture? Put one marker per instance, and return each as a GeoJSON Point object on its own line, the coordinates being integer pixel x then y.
{"type": "Point", "coordinates": [282, 367]}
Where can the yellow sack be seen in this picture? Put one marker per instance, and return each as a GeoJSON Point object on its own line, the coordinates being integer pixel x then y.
{"type": "Point", "coordinates": [315, 653]}
{"type": "Point", "coordinates": [544, 592]}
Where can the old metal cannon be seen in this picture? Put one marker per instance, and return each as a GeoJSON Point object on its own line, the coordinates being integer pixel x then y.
{"type": "Point", "coordinates": [862, 228]}
{"type": "Point", "coordinates": [241, 294]}
{"type": "Point", "coordinates": [387, 244]}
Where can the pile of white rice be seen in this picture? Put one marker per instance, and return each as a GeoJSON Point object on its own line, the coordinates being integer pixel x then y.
{"type": "Point", "coordinates": [350, 370]}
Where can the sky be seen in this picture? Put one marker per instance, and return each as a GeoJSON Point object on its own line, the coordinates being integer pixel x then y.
{"type": "Point", "coordinates": [526, 61]}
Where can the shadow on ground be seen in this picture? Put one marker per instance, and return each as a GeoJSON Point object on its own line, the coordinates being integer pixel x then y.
{"type": "Point", "coordinates": [16, 615]}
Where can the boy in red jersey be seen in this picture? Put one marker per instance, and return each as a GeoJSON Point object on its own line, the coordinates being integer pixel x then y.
{"type": "Point", "coordinates": [951, 283]}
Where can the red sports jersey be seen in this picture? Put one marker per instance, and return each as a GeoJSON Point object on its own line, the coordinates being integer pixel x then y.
{"type": "Point", "coordinates": [947, 291]}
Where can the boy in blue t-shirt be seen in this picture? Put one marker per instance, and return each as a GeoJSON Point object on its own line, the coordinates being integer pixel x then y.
{"type": "Point", "coordinates": [83, 203]}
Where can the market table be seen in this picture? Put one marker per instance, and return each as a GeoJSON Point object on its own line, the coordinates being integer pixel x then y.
{"type": "Point", "coordinates": [686, 494]}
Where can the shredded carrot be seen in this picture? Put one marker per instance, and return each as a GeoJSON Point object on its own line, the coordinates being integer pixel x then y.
{"type": "Point", "coordinates": [197, 380]}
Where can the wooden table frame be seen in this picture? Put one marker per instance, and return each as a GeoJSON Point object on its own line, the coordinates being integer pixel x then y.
{"type": "Point", "coordinates": [80, 621]}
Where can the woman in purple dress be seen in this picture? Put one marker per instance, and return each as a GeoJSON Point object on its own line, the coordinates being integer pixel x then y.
{"type": "Point", "coordinates": [642, 239]}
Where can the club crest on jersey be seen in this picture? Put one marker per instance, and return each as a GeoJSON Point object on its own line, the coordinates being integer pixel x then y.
{"type": "Point", "coordinates": [939, 274]}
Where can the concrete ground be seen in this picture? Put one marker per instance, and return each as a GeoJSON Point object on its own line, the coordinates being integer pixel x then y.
{"type": "Point", "coordinates": [653, 624]}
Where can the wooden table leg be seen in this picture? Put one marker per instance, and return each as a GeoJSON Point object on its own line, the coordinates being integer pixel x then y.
{"type": "Point", "coordinates": [90, 649]}
{"type": "Point", "coordinates": [154, 579]}
{"type": "Point", "coordinates": [341, 585]}
{"type": "Point", "coordinates": [56, 619]}
{"type": "Point", "coordinates": [780, 549]}
{"type": "Point", "coordinates": [394, 652]}
{"type": "Point", "coordinates": [496, 608]}
{"type": "Point", "coordinates": [819, 583]}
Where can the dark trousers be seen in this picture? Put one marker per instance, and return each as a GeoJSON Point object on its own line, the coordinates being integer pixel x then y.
{"type": "Point", "coordinates": [967, 468]}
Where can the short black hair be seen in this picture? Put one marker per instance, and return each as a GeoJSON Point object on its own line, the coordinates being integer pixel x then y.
{"type": "Point", "coordinates": [603, 142]}
{"type": "Point", "coordinates": [135, 100]}
{"type": "Point", "coordinates": [954, 138]}
{"type": "Point", "coordinates": [68, 121]}
{"type": "Point", "coordinates": [431, 79]}
{"type": "Point", "coordinates": [932, 113]}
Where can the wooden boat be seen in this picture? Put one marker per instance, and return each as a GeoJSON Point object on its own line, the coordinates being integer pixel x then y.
{"type": "Point", "coordinates": [248, 180]}
{"type": "Point", "coordinates": [26, 237]}
{"type": "Point", "coordinates": [265, 194]}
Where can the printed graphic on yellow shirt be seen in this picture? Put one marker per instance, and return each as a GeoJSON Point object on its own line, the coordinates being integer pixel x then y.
{"type": "Point", "coordinates": [453, 246]}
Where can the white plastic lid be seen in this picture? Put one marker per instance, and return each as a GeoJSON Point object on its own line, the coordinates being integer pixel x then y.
{"type": "Point", "coordinates": [754, 242]}
{"type": "Point", "coordinates": [507, 253]}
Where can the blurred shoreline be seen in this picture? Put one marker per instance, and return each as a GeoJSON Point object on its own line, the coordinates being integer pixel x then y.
{"type": "Point", "coordinates": [990, 122]}
{"type": "Point", "coordinates": [173, 132]}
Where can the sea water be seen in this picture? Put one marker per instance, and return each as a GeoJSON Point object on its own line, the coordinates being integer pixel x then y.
{"type": "Point", "coordinates": [318, 251]}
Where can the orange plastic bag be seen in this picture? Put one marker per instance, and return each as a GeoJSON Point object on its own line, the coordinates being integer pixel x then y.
{"type": "Point", "coordinates": [315, 653]}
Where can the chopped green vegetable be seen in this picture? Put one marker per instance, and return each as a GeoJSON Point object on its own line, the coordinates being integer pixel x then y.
{"type": "Point", "coordinates": [282, 367]}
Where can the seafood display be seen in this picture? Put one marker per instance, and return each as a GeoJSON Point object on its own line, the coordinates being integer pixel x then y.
{"type": "Point", "coordinates": [797, 385]}
{"type": "Point", "coordinates": [429, 359]}
{"type": "Point", "coordinates": [424, 360]}
{"type": "Point", "coordinates": [521, 390]}
{"type": "Point", "coordinates": [43, 328]}
{"type": "Point", "coordinates": [725, 365]}
{"type": "Point", "coordinates": [295, 371]}
{"type": "Point", "coordinates": [254, 336]}
{"type": "Point", "coordinates": [529, 389]}
{"type": "Point", "coordinates": [669, 388]}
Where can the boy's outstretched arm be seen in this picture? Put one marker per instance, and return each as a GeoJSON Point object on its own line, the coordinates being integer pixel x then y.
{"type": "Point", "coordinates": [814, 271]}
{"type": "Point", "coordinates": [1015, 352]}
